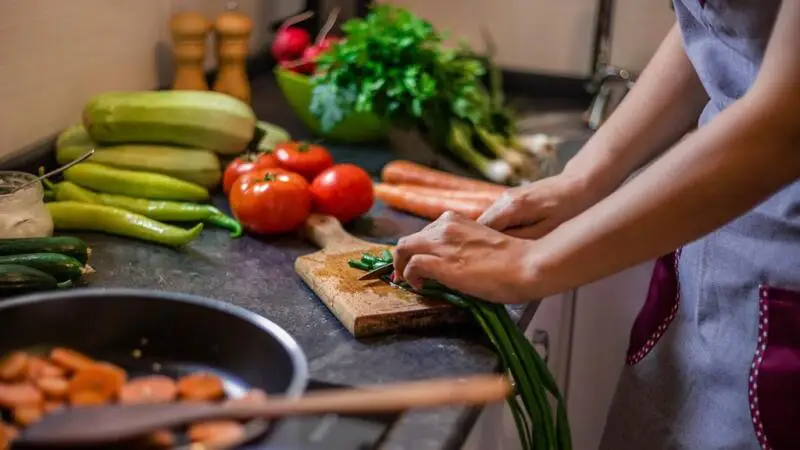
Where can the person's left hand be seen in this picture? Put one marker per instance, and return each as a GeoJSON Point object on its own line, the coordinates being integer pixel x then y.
{"type": "Point", "coordinates": [468, 257]}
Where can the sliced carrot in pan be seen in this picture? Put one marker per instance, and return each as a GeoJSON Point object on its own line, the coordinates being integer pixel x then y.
{"type": "Point", "coordinates": [200, 386]}
{"type": "Point", "coordinates": [252, 397]}
{"type": "Point", "coordinates": [103, 379]}
{"type": "Point", "coordinates": [27, 414]}
{"type": "Point", "coordinates": [19, 394]}
{"type": "Point", "coordinates": [53, 387]}
{"type": "Point", "coordinates": [7, 433]}
{"type": "Point", "coordinates": [70, 359]}
{"type": "Point", "coordinates": [86, 398]}
{"type": "Point", "coordinates": [13, 366]}
{"type": "Point", "coordinates": [162, 439]}
{"type": "Point", "coordinates": [38, 367]}
{"type": "Point", "coordinates": [52, 406]}
{"type": "Point", "coordinates": [151, 389]}
{"type": "Point", "coordinates": [217, 432]}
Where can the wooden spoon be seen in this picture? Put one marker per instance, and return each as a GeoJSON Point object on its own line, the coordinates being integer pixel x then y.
{"type": "Point", "coordinates": [89, 425]}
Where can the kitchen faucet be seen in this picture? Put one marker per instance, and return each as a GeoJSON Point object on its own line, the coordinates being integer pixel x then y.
{"type": "Point", "coordinates": [609, 84]}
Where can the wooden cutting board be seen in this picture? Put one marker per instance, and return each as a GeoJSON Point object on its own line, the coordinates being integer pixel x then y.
{"type": "Point", "coordinates": [368, 307]}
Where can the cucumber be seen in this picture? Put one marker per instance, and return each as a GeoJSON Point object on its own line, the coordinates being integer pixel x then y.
{"type": "Point", "coordinates": [189, 164]}
{"type": "Point", "coordinates": [65, 245]}
{"type": "Point", "coordinates": [16, 279]}
{"type": "Point", "coordinates": [61, 267]}
{"type": "Point", "coordinates": [204, 119]}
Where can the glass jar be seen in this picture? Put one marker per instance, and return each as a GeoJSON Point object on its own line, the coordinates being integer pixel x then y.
{"type": "Point", "coordinates": [22, 213]}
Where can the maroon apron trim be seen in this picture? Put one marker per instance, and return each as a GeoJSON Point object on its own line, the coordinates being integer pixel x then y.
{"type": "Point", "coordinates": [774, 383]}
{"type": "Point", "coordinates": [758, 359]}
{"type": "Point", "coordinates": [635, 356]}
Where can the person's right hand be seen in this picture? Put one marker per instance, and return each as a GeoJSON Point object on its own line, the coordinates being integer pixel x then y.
{"type": "Point", "coordinates": [533, 210]}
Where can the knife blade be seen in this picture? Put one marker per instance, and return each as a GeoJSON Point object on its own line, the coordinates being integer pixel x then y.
{"type": "Point", "coordinates": [377, 273]}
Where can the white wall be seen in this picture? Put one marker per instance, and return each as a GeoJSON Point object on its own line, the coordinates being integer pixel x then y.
{"type": "Point", "coordinates": [54, 55]}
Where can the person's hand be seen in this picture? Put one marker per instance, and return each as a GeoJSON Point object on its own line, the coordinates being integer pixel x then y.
{"type": "Point", "coordinates": [467, 257]}
{"type": "Point", "coordinates": [533, 210]}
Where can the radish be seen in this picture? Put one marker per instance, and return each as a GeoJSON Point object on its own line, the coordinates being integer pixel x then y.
{"type": "Point", "coordinates": [305, 63]}
{"type": "Point", "coordinates": [290, 42]}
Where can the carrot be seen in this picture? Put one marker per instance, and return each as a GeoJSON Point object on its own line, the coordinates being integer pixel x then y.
{"type": "Point", "coordinates": [7, 434]}
{"type": "Point", "coordinates": [38, 367]}
{"type": "Point", "coordinates": [218, 432]}
{"type": "Point", "coordinates": [103, 379]}
{"type": "Point", "coordinates": [252, 397]}
{"type": "Point", "coordinates": [151, 389]}
{"type": "Point", "coordinates": [162, 439]}
{"type": "Point", "coordinates": [407, 172]}
{"type": "Point", "coordinates": [52, 406]}
{"type": "Point", "coordinates": [27, 414]}
{"type": "Point", "coordinates": [53, 387]}
{"type": "Point", "coordinates": [86, 398]}
{"type": "Point", "coordinates": [13, 366]}
{"type": "Point", "coordinates": [200, 386]}
{"type": "Point", "coordinates": [487, 197]}
{"type": "Point", "coordinates": [19, 394]}
{"type": "Point", "coordinates": [70, 359]}
{"type": "Point", "coordinates": [427, 206]}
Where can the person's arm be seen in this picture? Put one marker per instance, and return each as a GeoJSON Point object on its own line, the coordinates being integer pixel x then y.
{"type": "Point", "coordinates": [747, 153]}
{"type": "Point", "coordinates": [660, 109]}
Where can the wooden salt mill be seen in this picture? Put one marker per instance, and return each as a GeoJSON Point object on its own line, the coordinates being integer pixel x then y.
{"type": "Point", "coordinates": [233, 40]}
{"type": "Point", "coordinates": [189, 31]}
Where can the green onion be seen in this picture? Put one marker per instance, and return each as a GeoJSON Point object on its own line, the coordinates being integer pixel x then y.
{"type": "Point", "coordinates": [533, 416]}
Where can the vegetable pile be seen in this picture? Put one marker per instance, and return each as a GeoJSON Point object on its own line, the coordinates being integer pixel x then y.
{"type": "Point", "coordinates": [273, 192]}
{"type": "Point", "coordinates": [157, 156]}
{"type": "Point", "coordinates": [35, 264]}
{"type": "Point", "coordinates": [394, 64]}
{"type": "Point", "coordinates": [533, 381]}
{"type": "Point", "coordinates": [32, 386]}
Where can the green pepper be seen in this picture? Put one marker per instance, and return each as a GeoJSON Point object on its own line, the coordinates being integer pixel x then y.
{"type": "Point", "coordinates": [110, 180]}
{"type": "Point", "coordinates": [71, 215]}
{"type": "Point", "coordinates": [163, 210]}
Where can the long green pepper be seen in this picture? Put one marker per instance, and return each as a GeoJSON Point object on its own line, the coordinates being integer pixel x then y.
{"type": "Point", "coordinates": [533, 417]}
{"type": "Point", "coordinates": [108, 219]}
{"type": "Point", "coordinates": [162, 210]}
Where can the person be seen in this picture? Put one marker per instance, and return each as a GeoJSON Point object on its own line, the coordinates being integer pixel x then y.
{"type": "Point", "coordinates": [702, 156]}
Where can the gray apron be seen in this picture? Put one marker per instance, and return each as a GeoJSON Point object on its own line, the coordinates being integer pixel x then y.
{"type": "Point", "coordinates": [714, 356]}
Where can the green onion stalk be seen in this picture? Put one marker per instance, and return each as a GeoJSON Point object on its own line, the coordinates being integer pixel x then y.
{"type": "Point", "coordinates": [538, 427]}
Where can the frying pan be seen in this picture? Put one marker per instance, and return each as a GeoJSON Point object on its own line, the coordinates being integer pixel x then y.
{"type": "Point", "coordinates": [146, 331]}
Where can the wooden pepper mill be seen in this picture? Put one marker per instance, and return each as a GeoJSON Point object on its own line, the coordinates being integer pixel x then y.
{"type": "Point", "coordinates": [189, 30]}
{"type": "Point", "coordinates": [233, 40]}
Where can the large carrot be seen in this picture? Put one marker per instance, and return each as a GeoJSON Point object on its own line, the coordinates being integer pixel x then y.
{"type": "Point", "coordinates": [483, 197]}
{"type": "Point", "coordinates": [407, 172]}
{"type": "Point", "coordinates": [427, 206]}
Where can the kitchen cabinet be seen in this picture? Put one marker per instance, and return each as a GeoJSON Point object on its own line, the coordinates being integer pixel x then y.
{"type": "Point", "coordinates": [584, 335]}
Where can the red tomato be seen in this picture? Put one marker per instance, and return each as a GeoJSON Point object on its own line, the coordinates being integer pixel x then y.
{"type": "Point", "coordinates": [246, 163]}
{"type": "Point", "coordinates": [343, 191]}
{"type": "Point", "coordinates": [270, 201]}
{"type": "Point", "coordinates": [309, 160]}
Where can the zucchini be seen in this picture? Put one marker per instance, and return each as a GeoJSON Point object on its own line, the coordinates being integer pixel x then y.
{"type": "Point", "coordinates": [66, 245]}
{"type": "Point", "coordinates": [204, 119]}
{"type": "Point", "coordinates": [195, 165]}
{"type": "Point", "coordinates": [61, 267]}
{"type": "Point", "coordinates": [273, 135]}
{"type": "Point", "coordinates": [16, 279]}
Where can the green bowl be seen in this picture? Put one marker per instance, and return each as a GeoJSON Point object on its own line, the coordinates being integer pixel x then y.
{"type": "Point", "coordinates": [355, 128]}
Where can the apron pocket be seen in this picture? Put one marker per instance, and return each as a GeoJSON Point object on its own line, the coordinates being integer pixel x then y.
{"type": "Point", "coordinates": [774, 384]}
{"type": "Point", "coordinates": [659, 309]}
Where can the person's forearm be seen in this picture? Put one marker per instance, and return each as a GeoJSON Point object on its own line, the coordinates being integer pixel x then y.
{"type": "Point", "coordinates": [661, 108]}
{"type": "Point", "coordinates": [726, 168]}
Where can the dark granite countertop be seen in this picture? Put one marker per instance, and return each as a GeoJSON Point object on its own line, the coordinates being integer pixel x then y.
{"type": "Point", "coordinates": [258, 274]}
